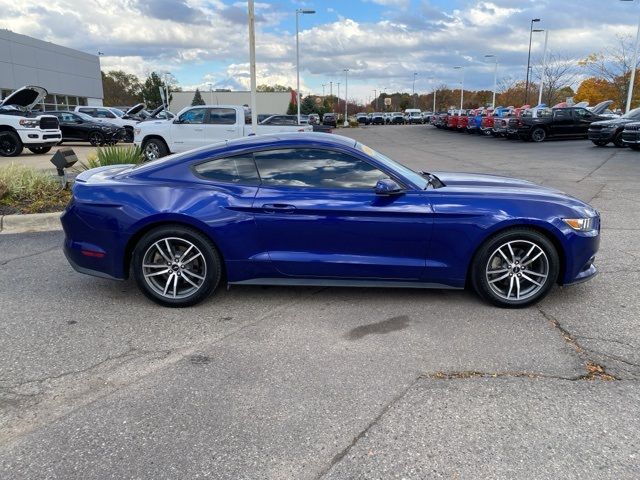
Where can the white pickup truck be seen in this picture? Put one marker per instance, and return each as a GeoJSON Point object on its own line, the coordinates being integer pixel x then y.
{"type": "Point", "coordinates": [195, 127]}
{"type": "Point", "coordinates": [20, 128]}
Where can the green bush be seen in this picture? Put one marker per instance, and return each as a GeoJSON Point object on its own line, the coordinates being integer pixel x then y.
{"type": "Point", "coordinates": [28, 190]}
{"type": "Point", "coordinates": [113, 155]}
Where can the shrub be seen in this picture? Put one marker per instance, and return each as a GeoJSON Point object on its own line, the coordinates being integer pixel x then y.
{"type": "Point", "coordinates": [113, 155]}
{"type": "Point", "coordinates": [28, 190]}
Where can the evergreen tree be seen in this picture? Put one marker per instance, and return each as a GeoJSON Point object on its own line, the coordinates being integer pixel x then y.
{"type": "Point", "coordinates": [197, 99]}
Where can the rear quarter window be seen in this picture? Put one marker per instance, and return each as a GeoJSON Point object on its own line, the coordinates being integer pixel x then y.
{"type": "Point", "coordinates": [237, 170]}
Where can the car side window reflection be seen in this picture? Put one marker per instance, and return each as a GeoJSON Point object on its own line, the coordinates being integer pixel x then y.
{"type": "Point", "coordinates": [240, 170]}
{"type": "Point", "coordinates": [222, 116]}
{"type": "Point", "coordinates": [195, 115]}
{"type": "Point", "coordinates": [318, 168]}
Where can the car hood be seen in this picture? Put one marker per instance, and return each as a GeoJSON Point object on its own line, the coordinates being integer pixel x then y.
{"type": "Point", "coordinates": [25, 97]}
{"type": "Point", "coordinates": [615, 121]}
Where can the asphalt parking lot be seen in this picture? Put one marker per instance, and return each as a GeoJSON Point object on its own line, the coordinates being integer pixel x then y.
{"type": "Point", "coordinates": [335, 383]}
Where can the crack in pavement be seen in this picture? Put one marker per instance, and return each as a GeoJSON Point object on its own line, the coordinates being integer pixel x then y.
{"type": "Point", "coordinates": [5, 262]}
{"type": "Point", "coordinates": [611, 156]}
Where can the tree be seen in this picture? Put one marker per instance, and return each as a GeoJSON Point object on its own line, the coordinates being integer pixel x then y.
{"type": "Point", "coordinates": [273, 88]}
{"type": "Point", "coordinates": [292, 109]}
{"type": "Point", "coordinates": [120, 88]}
{"type": "Point", "coordinates": [595, 90]}
{"type": "Point", "coordinates": [197, 99]}
{"type": "Point", "coordinates": [558, 73]}
{"type": "Point", "coordinates": [614, 65]}
{"type": "Point", "coordinates": [512, 92]}
{"type": "Point", "coordinates": [151, 88]}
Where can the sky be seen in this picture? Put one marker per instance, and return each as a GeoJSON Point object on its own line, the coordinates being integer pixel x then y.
{"type": "Point", "coordinates": [204, 43]}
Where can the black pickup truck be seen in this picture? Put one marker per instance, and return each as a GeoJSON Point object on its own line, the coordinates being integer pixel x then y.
{"type": "Point", "coordinates": [560, 122]}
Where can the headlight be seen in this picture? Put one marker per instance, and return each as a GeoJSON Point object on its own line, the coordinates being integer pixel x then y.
{"type": "Point", "coordinates": [580, 224]}
{"type": "Point", "coordinates": [27, 123]}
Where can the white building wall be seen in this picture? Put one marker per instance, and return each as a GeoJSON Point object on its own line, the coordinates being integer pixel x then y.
{"type": "Point", "coordinates": [266, 102]}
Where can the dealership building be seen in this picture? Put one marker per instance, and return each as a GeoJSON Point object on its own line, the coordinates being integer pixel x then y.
{"type": "Point", "coordinates": [71, 77]}
{"type": "Point", "coordinates": [266, 102]}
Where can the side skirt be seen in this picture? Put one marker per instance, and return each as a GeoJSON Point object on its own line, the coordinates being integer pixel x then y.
{"type": "Point", "coordinates": [328, 282]}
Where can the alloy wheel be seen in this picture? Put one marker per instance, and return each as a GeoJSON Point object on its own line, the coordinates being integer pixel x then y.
{"type": "Point", "coordinates": [517, 270]}
{"type": "Point", "coordinates": [174, 268]}
{"type": "Point", "coordinates": [151, 151]}
{"type": "Point", "coordinates": [8, 145]}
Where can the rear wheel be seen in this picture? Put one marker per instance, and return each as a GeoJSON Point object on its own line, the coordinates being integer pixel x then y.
{"type": "Point", "coordinates": [617, 140]}
{"type": "Point", "coordinates": [515, 268]}
{"type": "Point", "coordinates": [10, 144]}
{"type": "Point", "coordinates": [538, 134]}
{"type": "Point", "coordinates": [176, 266]}
{"type": "Point", "coordinates": [39, 150]}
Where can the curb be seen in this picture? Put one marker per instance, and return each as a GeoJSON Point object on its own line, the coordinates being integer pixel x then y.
{"type": "Point", "coordinates": [33, 222]}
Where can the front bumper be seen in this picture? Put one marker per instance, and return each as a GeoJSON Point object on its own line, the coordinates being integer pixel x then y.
{"type": "Point", "coordinates": [35, 137]}
{"type": "Point", "coordinates": [601, 135]}
{"type": "Point", "coordinates": [632, 137]}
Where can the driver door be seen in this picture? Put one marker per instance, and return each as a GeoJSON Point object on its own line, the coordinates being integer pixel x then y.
{"type": "Point", "coordinates": [318, 216]}
{"type": "Point", "coordinates": [187, 131]}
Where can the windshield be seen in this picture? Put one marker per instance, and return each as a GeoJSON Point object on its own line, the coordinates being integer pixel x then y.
{"type": "Point", "coordinates": [634, 114]}
{"type": "Point", "coordinates": [117, 111]}
{"type": "Point", "coordinates": [84, 116]}
{"type": "Point", "coordinates": [414, 177]}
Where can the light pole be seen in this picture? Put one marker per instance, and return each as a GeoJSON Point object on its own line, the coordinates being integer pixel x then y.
{"type": "Point", "coordinates": [331, 94]}
{"type": "Point", "coordinates": [526, 86]}
{"type": "Point", "coordinates": [323, 90]}
{"type": "Point", "coordinates": [544, 66]}
{"type": "Point", "coordinates": [413, 89]}
{"type": "Point", "coordinates": [461, 85]}
{"type": "Point", "coordinates": [634, 65]}
{"type": "Point", "coordinates": [433, 81]}
{"type": "Point", "coordinates": [375, 95]}
{"type": "Point", "coordinates": [298, 12]}
{"type": "Point", "coordinates": [346, 97]}
{"type": "Point", "coordinates": [495, 78]}
{"type": "Point", "coordinates": [338, 83]}
{"type": "Point", "coordinates": [252, 66]}
{"type": "Point", "coordinates": [210, 93]}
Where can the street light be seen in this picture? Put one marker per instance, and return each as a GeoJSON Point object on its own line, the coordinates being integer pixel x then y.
{"type": "Point", "coordinates": [633, 67]}
{"type": "Point", "coordinates": [461, 85]}
{"type": "Point", "coordinates": [434, 93]}
{"type": "Point", "coordinates": [298, 12]}
{"type": "Point", "coordinates": [495, 78]}
{"type": "Point", "coordinates": [531, 30]}
{"type": "Point", "coordinates": [346, 97]}
{"type": "Point", "coordinates": [544, 65]}
{"type": "Point", "coordinates": [210, 93]}
{"type": "Point", "coordinates": [413, 94]}
{"type": "Point", "coordinates": [375, 94]}
{"type": "Point", "coordinates": [323, 90]}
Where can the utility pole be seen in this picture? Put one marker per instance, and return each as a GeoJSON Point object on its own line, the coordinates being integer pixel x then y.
{"type": "Point", "coordinates": [413, 94]}
{"type": "Point", "coordinates": [526, 87]}
{"type": "Point", "coordinates": [252, 66]}
{"type": "Point", "coordinates": [544, 65]}
{"type": "Point", "coordinates": [346, 97]}
{"type": "Point", "coordinates": [375, 95]}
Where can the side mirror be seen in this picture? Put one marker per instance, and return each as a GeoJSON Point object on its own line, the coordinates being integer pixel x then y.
{"type": "Point", "coordinates": [386, 186]}
{"type": "Point", "coordinates": [79, 121]}
{"type": "Point", "coordinates": [177, 120]}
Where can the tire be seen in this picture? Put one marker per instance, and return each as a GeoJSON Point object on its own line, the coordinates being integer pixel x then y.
{"type": "Point", "coordinates": [634, 147]}
{"type": "Point", "coordinates": [617, 140]}
{"type": "Point", "coordinates": [10, 144]}
{"type": "Point", "coordinates": [96, 138]}
{"type": "Point", "coordinates": [160, 273]}
{"type": "Point", "coordinates": [39, 150]}
{"type": "Point", "coordinates": [600, 143]}
{"type": "Point", "coordinates": [154, 149]}
{"type": "Point", "coordinates": [128, 135]}
{"type": "Point", "coordinates": [513, 283]}
{"type": "Point", "coordinates": [538, 134]}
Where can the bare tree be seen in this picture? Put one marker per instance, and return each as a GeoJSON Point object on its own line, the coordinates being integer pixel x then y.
{"type": "Point", "coordinates": [613, 64]}
{"type": "Point", "coordinates": [560, 71]}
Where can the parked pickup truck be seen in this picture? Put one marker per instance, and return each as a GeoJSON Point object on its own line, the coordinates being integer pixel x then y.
{"type": "Point", "coordinates": [559, 122]}
{"type": "Point", "coordinates": [198, 126]}
{"type": "Point", "coordinates": [20, 128]}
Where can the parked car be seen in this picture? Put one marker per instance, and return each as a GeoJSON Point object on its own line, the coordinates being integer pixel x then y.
{"type": "Point", "coordinates": [114, 116]}
{"type": "Point", "coordinates": [413, 115]}
{"type": "Point", "coordinates": [610, 131]}
{"type": "Point", "coordinates": [78, 127]}
{"type": "Point", "coordinates": [558, 122]}
{"type": "Point", "coordinates": [330, 119]}
{"type": "Point", "coordinates": [463, 120]}
{"type": "Point", "coordinates": [285, 120]}
{"type": "Point", "coordinates": [314, 209]}
{"type": "Point", "coordinates": [631, 135]}
{"type": "Point", "coordinates": [362, 118]}
{"type": "Point", "coordinates": [387, 118]}
{"type": "Point", "coordinates": [452, 119]}
{"type": "Point", "coordinates": [314, 119]}
{"type": "Point", "coordinates": [475, 120]}
{"type": "Point", "coordinates": [199, 126]}
{"type": "Point", "coordinates": [397, 118]}
{"type": "Point", "coordinates": [20, 127]}
{"type": "Point", "coordinates": [377, 118]}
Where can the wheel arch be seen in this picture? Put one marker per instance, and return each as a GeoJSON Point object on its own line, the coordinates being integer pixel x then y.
{"type": "Point", "coordinates": [153, 223]}
{"type": "Point", "coordinates": [545, 230]}
{"type": "Point", "coordinates": [8, 128]}
{"type": "Point", "coordinates": [154, 136]}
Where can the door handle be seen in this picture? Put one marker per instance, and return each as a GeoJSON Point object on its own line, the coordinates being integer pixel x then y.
{"type": "Point", "coordinates": [278, 207]}
{"type": "Point", "coordinates": [230, 129]}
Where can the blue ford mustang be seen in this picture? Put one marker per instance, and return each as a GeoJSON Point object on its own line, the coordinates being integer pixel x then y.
{"type": "Point", "coordinates": [318, 209]}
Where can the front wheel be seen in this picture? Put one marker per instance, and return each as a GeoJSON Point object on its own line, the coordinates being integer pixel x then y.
{"type": "Point", "coordinates": [39, 150]}
{"type": "Point", "coordinates": [176, 266]}
{"type": "Point", "coordinates": [10, 144]}
{"type": "Point", "coordinates": [617, 140]}
{"type": "Point", "coordinates": [635, 147]}
{"type": "Point", "coordinates": [515, 268]}
{"type": "Point", "coordinates": [96, 139]}
{"type": "Point", "coordinates": [538, 134]}
{"type": "Point", "coordinates": [154, 149]}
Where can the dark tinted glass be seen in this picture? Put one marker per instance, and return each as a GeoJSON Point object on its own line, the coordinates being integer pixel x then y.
{"type": "Point", "coordinates": [222, 116]}
{"type": "Point", "coordinates": [240, 170]}
{"type": "Point", "coordinates": [315, 168]}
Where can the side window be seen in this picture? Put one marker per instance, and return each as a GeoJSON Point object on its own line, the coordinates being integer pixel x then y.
{"type": "Point", "coordinates": [104, 114]}
{"type": "Point", "coordinates": [240, 170]}
{"type": "Point", "coordinates": [561, 114]}
{"type": "Point", "coordinates": [306, 167]}
{"type": "Point", "coordinates": [88, 111]}
{"type": "Point", "coordinates": [68, 117]}
{"type": "Point", "coordinates": [222, 116]}
{"type": "Point", "coordinates": [582, 113]}
{"type": "Point", "coordinates": [195, 115]}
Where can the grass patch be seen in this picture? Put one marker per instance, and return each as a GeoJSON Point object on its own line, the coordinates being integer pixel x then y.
{"type": "Point", "coordinates": [28, 190]}
{"type": "Point", "coordinates": [113, 155]}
